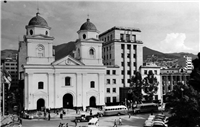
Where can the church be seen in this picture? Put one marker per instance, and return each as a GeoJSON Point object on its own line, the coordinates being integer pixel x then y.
{"type": "Point", "coordinates": [68, 82]}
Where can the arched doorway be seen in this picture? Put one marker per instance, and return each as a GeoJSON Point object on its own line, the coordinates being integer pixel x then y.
{"type": "Point", "coordinates": [67, 101]}
{"type": "Point", "coordinates": [92, 101]}
{"type": "Point", "coordinates": [40, 104]}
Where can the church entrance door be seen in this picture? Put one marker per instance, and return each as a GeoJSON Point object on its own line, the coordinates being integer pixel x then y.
{"type": "Point", "coordinates": [92, 101]}
{"type": "Point", "coordinates": [40, 104]}
{"type": "Point", "coordinates": [68, 101]}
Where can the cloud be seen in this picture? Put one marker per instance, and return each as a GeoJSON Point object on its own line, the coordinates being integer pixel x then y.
{"type": "Point", "coordinates": [174, 42]}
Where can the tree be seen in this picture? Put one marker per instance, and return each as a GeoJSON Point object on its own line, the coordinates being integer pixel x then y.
{"type": "Point", "coordinates": [195, 75]}
{"type": "Point", "coordinates": [185, 100]}
{"type": "Point", "coordinates": [150, 86]}
{"type": "Point", "coordinates": [185, 103]}
{"type": "Point", "coordinates": [136, 86]}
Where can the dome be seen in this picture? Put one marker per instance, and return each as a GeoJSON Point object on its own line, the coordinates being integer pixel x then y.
{"type": "Point", "coordinates": [88, 26]}
{"type": "Point", "coordinates": [37, 20]}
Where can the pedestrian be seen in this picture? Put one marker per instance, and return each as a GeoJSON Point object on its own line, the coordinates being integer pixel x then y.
{"type": "Point", "coordinates": [120, 121]}
{"type": "Point", "coordinates": [91, 112]}
{"type": "Point", "coordinates": [61, 116]}
{"type": "Point", "coordinates": [60, 125]}
{"type": "Point", "coordinates": [115, 123]}
{"type": "Point", "coordinates": [49, 116]}
{"type": "Point", "coordinates": [129, 115]}
{"type": "Point", "coordinates": [75, 121]}
{"type": "Point", "coordinates": [66, 125]}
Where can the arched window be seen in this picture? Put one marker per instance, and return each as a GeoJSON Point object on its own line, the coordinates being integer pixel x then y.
{"type": "Point", "coordinates": [84, 36]}
{"type": "Point", "coordinates": [40, 50]}
{"type": "Point", "coordinates": [40, 85]}
{"type": "Point", "coordinates": [67, 81]}
{"type": "Point", "coordinates": [92, 84]}
{"type": "Point", "coordinates": [92, 53]}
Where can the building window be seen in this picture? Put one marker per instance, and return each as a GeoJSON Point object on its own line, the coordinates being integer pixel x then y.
{"type": "Point", "coordinates": [92, 84]}
{"type": "Point", "coordinates": [108, 81]}
{"type": "Point", "coordinates": [40, 50]}
{"type": "Point", "coordinates": [114, 90]}
{"type": "Point", "coordinates": [155, 72]}
{"type": "Point", "coordinates": [114, 81]}
{"type": "Point", "coordinates": [129, 72]}
{"type": "Point", "coordinates": [110, 56]}
{"type": "Point", "coordinates": [122, 37]}
{"type": "Point", "coordinates": [84, 36]}
{"type": "Point", "coordinates": [134, 64]}
{"type": "Point", "coordinates": [134, 38]}
{"type": "Point", "coordinates": [108, 99]}
{"type": "Point", "coordinates": [122, 72]}
{"type": "Point", "coordinates": [134, 55]}
{"type": "Point", "coordinates": [108, 72]}
{"type": "Point", "coordinates": [129, 47]}
{"type": "Point", "coordinates": [114, 72]}
{"type": "Point", "coordinates": [128, 37]}
{"type": "Point", "coordinates": [122, 55]}
{"type": "Point", "coordinates": [122, 63]}
{"type": "Point", "coordinates": [114, 99]}
{"type": "Point", "coordinates": [128, 63]}
{"type": "Point", "coordinates": [92, 53]}
{"type": "Point", "coordinates": [128, 80]}
{"type": "Point", "coordinates": [128, 55]}
{"type": "Point", "coordinates": [40, 85]}
{"type": "Point", "coordinates": [122, 46]}
{"type": "Point", "coordinates": [67, 81]}
{"type": "Point", "coordinates": [145, 72]}
{"type": "Point", "coordinates": [123, 81]}
{"type": "Point", "coordinates": [134, 47]}
{"type": "Point", "coordinates": [108, 90]}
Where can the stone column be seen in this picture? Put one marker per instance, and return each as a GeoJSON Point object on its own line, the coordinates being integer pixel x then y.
{"type": "Point", "coordinates": [57, 98]}
{"type": "Point", "coordinates": [101, 85]}
{"type": "Point", "coordinates": [29, 92]}
{"type": "Point", "coordinates": [79, 88]}
{"type": "Point", "coordinates": [84, 97]}
{"type": "Point", "coordinates": [171, 82]}
{"type": "Point", "coordinates": [50, 90]}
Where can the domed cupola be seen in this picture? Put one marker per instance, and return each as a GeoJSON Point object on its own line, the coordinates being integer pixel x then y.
{"type": "Point", "coordinates": [37, 26]}
{"type": "Point", "coordinates": [88, 26]}
{"type": "Point", "coordinates": [38, 21]}
{"type": "Point", "coordinates": [88, 30]}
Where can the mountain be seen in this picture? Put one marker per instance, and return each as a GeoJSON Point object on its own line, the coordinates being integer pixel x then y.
{"type": "Point", "coordinates": [147, 52]}
{"type": "Point", "coordinates": [182, 54]}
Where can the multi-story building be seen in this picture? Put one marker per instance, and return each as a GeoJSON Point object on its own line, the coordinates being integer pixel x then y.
{"type": "Point", "coordinates": [172, 76]}
{"type": "Point", "coordinates": [11, 66]}
{"type": "Point", "coordinates": [188, 61]}
{"type": "Point", "coordinates": [123, 47]}
{"type": "Point", "coordinates": [112, 85]}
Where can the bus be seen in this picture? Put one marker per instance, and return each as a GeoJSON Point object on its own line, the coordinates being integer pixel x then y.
{"type": "Point", "coordinates": [146, 107]}
{"type": "Point", "coordinates": [115, 110]}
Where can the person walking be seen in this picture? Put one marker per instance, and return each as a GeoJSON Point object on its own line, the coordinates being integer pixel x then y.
{"type": "Point", "coordinates": [49, 116]}
{"type": "Point", "coordinates": [61, 115]}
{"type": "Point", "coordinates": [120, 121]}
{"type": "Point", "coordinates": [115, 123]}
{"type": "Point", "coordinates": [66, 125]}
{"type": "Point", "coordinates": [129, 115]}
{"type": "Point", "coordinates": [75, 122]}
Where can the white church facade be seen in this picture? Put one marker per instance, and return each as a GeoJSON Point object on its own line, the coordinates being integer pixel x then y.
{"type": "Point", "coordinates": [69, 82]}
{"type": "Point", "coordinates": [90, 75]}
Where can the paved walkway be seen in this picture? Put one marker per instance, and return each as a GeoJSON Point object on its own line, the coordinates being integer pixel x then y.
{"type": "Point", "coordinates": [68, 114]}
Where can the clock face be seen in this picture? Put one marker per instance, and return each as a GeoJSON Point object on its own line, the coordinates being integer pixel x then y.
{"type": "Point", "coordinates": [40, 48]}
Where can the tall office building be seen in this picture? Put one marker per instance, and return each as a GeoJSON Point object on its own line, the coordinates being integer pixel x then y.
{"type": "Point", "coordinates": [123, 47]}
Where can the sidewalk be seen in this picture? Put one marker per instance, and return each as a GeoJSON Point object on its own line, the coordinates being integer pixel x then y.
{"type": "Point", "coordinates": [69, 113]}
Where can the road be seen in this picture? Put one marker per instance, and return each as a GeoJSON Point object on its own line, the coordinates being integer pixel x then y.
{"type": "Point", "coordinates": [134, 121]}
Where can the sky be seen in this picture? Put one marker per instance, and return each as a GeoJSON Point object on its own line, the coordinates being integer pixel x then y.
{"type": "Point", "coordinates": [166, 26]}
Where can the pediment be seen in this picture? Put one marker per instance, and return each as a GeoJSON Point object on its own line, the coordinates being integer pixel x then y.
{"type": "Point", "coordinates": [67, 60]}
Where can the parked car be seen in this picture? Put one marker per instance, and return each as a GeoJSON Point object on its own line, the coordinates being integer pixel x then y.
{"type": "Point", "coordinates": [84, 118]}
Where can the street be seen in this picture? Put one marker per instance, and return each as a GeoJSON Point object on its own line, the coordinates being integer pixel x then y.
{"type": "Point", "coordinates": [134, 121]}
